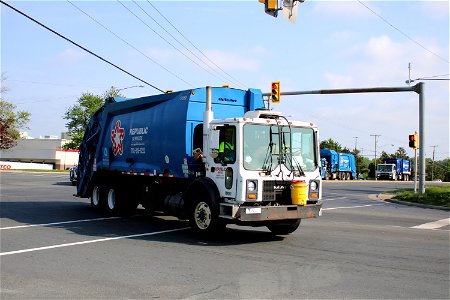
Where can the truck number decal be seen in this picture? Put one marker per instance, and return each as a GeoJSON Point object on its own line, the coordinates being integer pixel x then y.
{"type": "Point", "coordinates": [117, 136]}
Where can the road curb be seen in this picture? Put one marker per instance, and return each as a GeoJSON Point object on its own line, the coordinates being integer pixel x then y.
{"type": "Point", "coordinates": [389, 198]}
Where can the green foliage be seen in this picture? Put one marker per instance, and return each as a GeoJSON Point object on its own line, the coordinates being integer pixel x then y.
{"type": "Point", "coordinates": [11, 121]}
{"type": "Point", "coordinates": [438, 169]}
{"type": "Point", "coordinates": [434, 195]}
{"type": "Point", "coordinates": [78, 116]}
{"type": "Point", "coordinates": [331, 144]}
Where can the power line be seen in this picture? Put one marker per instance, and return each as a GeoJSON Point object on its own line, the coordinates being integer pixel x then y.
{"type": "Point", "coordinates": [123, 40]}
{"type": "Point", "coordinates": [181, 44]}
{"type": "Point", "coordinates": [402, 33]}
{"type": "Point", "coordinates": [164, 39]}
{"type": "Point", "coordinates": [78, 45]}
{"type": "Point", "coordinates": [192, 44]}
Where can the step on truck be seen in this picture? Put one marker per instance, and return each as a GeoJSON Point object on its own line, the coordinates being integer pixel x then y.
{"type": "Point", "coordinates": [208, 155]}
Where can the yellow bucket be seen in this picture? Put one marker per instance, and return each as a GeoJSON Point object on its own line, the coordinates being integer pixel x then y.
{"type": "Point", "coordinates": [299, 193]}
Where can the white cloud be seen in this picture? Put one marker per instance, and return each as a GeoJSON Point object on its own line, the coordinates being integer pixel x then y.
{"type": "Point", "coordinates": [71, 55]}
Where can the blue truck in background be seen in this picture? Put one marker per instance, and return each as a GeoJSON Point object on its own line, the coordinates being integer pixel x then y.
{"type": "Point", "coordinates": [213, 156]}
{"type": "Point", "coordinates": [394, 169]}
{"type": "Point", "coordinates": [336, 165]}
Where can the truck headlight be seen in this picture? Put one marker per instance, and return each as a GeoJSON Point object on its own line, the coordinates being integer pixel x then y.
{"type": "Point", "coordinates": [251, 186]}
{"type": "Point", "coordinates": [313, 186]}
{"type": "Point", "coordinates": [252, 189]}
{"type": "Point", "coordinates": [313, 190]}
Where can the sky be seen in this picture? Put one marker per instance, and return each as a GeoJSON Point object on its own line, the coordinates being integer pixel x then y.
{"type": "Point", "coordinates": [179, 45]}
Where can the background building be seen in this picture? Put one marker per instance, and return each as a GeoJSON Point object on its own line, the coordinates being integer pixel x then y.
{"type": "Point", "coordinates": [34, 153]}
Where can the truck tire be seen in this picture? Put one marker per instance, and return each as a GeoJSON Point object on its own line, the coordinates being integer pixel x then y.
{"type": "Point", "coordinates": [112, 201]}
{"type": "Point", "coordinates": [116, 203]}
{"type": "Point", "coordinates": [97, 198]}
{"type": "Point", "coordinates": [204, 209]}
{"type": "Point", "coordinates": [285, 227]}
{"type": "Point", "coordinates": [204, 219]}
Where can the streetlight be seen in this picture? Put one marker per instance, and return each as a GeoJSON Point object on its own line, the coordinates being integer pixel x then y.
{"type": "Point", "coordinates": [129, 87]}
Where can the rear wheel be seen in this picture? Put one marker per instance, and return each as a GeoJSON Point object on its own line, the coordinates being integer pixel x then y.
{"type": "Point", "coordinates": [111, 201]}
{"type": "Point", "coordinates": [97, 198]}
{"type": "Point", "coordinates": [285, 227]}
{"type": "Point", "coordinates": [117, 204]}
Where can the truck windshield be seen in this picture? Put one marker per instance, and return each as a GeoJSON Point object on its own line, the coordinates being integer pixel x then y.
{"type": "Point", "coordinates": [385, 168]}
{"type": "Point", "coordinates": [267, 146]}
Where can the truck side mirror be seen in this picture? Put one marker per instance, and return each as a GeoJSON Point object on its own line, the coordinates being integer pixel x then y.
{"type": "Point", "coordinates": [214, 139]}
{"type": "Point", "coordinates": [214, 142]}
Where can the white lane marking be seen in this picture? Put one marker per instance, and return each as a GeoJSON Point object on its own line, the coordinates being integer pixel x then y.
{"type": "Point", "coordinates": [356, 206]}
{"type": "Point", "coordinates": [90, 241]}
{"type": "Point", "coordinates": [434, 225]}
{"type": "Point", "coordinates": [333, 199]}
{"type": "Point", "coordinates": [58, 223]}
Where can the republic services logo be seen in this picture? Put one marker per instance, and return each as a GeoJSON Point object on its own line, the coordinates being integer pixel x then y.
{"type": "Point", "coordinates": [117, 135]}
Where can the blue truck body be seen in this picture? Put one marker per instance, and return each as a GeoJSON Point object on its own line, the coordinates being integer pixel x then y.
{"type": "Point", "coordinates": [394, 169]}
{"type": "Point", "coordinates": [337, 165]}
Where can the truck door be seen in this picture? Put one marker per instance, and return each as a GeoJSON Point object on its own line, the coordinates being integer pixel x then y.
{"type": "Point", "coordinates": [224, 168]}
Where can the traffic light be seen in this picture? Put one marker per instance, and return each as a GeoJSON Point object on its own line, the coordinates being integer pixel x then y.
{"type": "Point", "coordinates": [414, 141]}
{"type": "Point", "coordinates": [271, 4]}
{"type": "Point", "coordinates": [275, 94]}
{"type": "Point", "coordinates": [270, 7]}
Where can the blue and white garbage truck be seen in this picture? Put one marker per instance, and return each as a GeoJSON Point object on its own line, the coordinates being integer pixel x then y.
{"type": "Point", "coordinates": [336, 165]}
{"type": "Point", "coordinates": [207, 155]}
{"type": "Point", "coordinates": [394, 169]}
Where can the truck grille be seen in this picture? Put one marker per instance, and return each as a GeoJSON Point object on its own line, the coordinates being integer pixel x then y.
{"type": "Point", "coordinates": [278, 191]}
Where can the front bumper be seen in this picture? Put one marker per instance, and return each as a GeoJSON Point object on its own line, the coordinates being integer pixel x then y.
{"type": "Point", "coordinates": [274, 213]}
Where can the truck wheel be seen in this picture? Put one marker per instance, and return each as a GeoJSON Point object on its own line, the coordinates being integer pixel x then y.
{"type": "Point", "coordinates": [97, 198]}
{"type": "Point", "coordinates": [285, 227]}
{"type": "Point", "coordinates": [204, 219]}
{"type": "Point", "coordinates": [111, 201]}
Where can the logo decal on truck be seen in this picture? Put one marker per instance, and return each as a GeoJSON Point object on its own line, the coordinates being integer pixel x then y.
{"type": "Point", "coordinates": [117, 135]}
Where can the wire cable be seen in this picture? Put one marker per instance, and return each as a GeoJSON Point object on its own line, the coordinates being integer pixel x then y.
{"type": "Point", "coordinates": [164, 39]}
{"type": "Point", "coordinates": [180, 43]}
{"type": "Point", "coordinates": [193, 45]}
{"type": "Point", "coordinates": [123, 40]}
{"type": "Point", "coordinates": [79, 46]}
{"type": "Point", "coordinates": [404, 34]}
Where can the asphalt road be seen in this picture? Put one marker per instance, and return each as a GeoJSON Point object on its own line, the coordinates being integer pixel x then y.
{"type": "Point", "coordinates": [54, 246]}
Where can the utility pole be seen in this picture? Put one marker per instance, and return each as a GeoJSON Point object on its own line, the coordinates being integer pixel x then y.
{"type": "Point", "coordinates": [375, 136]}
{"type": "Point", "coordinates": [432, 165]}
{"type": "Point", "coordinates": [356, 156]}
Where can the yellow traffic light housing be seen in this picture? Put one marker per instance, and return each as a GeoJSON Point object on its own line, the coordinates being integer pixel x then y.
{"type": "Point", "coordinates": [271, 4]}
{"type": "Point", "coordinates": [414, 141]}
{"type": "Point", "coordinates": [270, 7]}
{"type": "Point", "coordinates": [275, 92]}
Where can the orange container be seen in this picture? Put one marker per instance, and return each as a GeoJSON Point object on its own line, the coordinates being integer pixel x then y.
{"type": "Point", "coordinates": [299, 192]}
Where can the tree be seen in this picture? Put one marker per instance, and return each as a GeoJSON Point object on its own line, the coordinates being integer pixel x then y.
{"type": "Point", "coordinates": [401, 153]}
{"type": "Point", "coordinates": [11, 121]}
{"type": "Point", "coordinates": [78, 116]}
{"type": "Point", "coordinates": [331, 144]}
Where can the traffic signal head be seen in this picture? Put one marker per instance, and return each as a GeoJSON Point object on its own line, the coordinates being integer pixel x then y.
{"type": "Point", "coordinates": [275, 92]}
{"type": "Point", "coordinates": [413, 141]}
